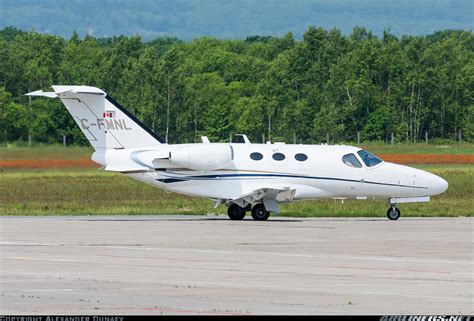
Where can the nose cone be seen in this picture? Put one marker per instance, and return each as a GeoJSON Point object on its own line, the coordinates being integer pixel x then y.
{"type": "Point", "coordinates": [424, 183]}
{"type": "Point", "coordinates": [436, 185]}
{"type": "Point", "coordinates": [441, 185]}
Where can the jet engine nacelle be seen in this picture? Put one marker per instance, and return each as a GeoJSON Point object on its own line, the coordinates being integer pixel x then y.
{"type": "Point", "coordinates": [204, 157]}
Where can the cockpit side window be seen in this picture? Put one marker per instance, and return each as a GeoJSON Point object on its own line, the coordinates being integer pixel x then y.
{"type": "Point", "coordinates": [351, 161]}
{"type": "Point", "coordinates": [368, 158]}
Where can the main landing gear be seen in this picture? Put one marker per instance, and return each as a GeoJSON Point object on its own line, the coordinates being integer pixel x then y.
{"type": "Point", "coordinates": [235, 212]}
{"type": "Point", "coordinates": [393, 213]}
{"type": "Point", "coordinates": [259, 213]}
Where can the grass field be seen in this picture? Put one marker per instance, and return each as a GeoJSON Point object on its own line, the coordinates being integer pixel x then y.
{"type": "Point", "coordinates": [45, 152]}
{"type": "Point", "coordinates": [94, 192]}
{"type": "Point", "coordinates": [86, 191]}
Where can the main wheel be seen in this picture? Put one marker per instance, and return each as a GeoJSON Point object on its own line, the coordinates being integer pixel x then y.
{"type": "Point", "coordinates": [393, 213]}
{"type": "Point", "coordinates": [259, 213]}
{"type": "Point", "coordinates": [235, 212]}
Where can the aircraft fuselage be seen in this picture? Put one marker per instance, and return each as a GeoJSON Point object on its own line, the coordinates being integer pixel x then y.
{"type": "Point", "coordinates": [320, 172]}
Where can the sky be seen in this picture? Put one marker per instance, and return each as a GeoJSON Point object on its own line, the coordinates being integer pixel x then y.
{"type": "Point", "coordinates": [189, 19]}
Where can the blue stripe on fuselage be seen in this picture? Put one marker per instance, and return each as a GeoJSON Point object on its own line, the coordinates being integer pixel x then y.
{"type": "Point", "coordinates": [174, 179]}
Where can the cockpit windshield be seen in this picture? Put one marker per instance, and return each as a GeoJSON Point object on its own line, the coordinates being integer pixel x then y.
{"type": "Point", "coordinates": [368, 158]}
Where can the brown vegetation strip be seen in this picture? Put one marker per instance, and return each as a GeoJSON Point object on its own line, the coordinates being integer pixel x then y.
{"type": "Point", "coordinates": [395, 158]}
{"type": "Point", "coordinates": [49, 163]}
{"type": "Point", "coordinates": [428, 158]}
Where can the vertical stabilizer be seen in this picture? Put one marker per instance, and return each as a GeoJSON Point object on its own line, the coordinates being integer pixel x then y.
{"type": "Point", "coordinates": [103, 121]}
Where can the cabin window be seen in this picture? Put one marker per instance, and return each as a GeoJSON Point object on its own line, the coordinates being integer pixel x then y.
{"type": "Point", "coordinates": [278, 156]}
{"type": "Point", "coordinates": [256, 156]}
{"type": "Point", "coordinates": [351, 161]}
{"type": "Point", "coordinates": [301, 157]}
{"type": "Point", "coordinates": [368, 158]}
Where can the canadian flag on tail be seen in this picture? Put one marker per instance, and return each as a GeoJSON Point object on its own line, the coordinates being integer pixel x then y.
{"type": "Point", "coordinates": [109, 114]}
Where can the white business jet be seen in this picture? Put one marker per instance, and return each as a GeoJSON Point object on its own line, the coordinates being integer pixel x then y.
{"type": "Point", "coordinates": [242, 176]}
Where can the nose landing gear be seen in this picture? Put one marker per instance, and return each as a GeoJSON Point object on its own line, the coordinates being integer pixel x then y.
{"type": "Point", "coordinates": [393, 213]}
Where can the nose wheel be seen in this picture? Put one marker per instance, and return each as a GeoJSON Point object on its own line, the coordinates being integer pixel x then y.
{"type": "Point", "coordinates": [393, 213]}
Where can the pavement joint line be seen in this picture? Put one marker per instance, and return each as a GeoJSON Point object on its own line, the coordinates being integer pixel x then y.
{"type": "Point", "coordinates": [259, 253]}
{"type": "Point", "coordinates": [318, 290]}
{"type": "Point", "coordinates": [37, 259]}
{"type": "Point", "coordinates": [306, 290]}
{"type": "Point", "coordinates": [236, 285]}
{"type": "Point", "coordinates": [251, 263]}
{"type": "Point", "coordinates": [50, 290]}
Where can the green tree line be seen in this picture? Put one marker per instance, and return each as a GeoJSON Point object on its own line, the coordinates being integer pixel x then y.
{"type": "Point", "coordinates": [326, 85]}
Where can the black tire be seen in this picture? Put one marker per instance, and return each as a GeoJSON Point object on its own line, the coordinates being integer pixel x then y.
{"type": "Point", "coordinates": [259, 213]}
{"type": "Point", "coordinates": [393, 213]}
{"type": "Point", "coordinates": [235, 212]}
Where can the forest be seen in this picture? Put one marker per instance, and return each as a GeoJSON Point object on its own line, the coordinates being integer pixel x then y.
{"type": "Point", "coordinates": [326, 87]}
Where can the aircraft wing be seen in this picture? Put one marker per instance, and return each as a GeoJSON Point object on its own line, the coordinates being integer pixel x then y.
{"type": "Point", "coordinates": [269, 196]}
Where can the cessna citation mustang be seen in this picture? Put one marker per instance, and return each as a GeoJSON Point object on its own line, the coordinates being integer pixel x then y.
{"type": "Point", "coordinates": [243, 176]}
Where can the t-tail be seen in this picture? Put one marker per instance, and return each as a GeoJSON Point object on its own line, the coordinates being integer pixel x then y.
{"type": "Point", "coordinates": [105, 123]}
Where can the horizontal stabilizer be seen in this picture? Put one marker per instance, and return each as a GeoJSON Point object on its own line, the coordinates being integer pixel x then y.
{"type": "Point", "coordinates": [62, 90]}
{"type": "Point", "coordinates": [84, 90]}
{"type": "Point", "coordinates": [41, 93]}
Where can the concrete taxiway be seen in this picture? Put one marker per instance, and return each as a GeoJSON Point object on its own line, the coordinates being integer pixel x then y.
{"type": "Point", "coordinates": [210, 265]}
